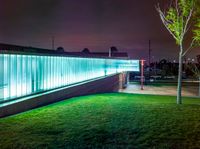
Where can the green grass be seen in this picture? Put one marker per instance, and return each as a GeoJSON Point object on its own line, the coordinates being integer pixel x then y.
{"type": "Point", "coordinates": [106, 121]}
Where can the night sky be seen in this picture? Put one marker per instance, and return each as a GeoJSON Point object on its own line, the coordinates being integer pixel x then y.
{"type": "Point", "coordinates": [93, 24]}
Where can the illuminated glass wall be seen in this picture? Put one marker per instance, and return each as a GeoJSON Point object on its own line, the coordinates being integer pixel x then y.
{"type": "Point", "coordinates": [22, 75]}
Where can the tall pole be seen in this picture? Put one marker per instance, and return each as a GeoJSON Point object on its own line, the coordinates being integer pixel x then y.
{"type": "Point", "coordinates": [109, 53]}
{"type": "Point", "coordinates": [149, 57]}
{"type": "Point", "coordinates": [149, 53]}
{"type": "Point", "coordinates": [53, 40]}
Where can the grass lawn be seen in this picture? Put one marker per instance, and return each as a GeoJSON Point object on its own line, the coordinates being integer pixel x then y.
{"type": "Point", "coordinates": [106, 121]}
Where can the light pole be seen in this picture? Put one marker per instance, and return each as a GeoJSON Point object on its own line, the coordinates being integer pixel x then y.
{"type": "Point", "coordinates": [142, 74]}
{"type": "Point", "coordinates": [53, 42]}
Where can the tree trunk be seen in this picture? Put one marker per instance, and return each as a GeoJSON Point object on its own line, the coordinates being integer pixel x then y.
{"type": "Point", "coordinates": [179, 86]}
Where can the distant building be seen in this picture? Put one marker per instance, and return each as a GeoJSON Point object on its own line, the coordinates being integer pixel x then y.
{"type": "Point", "coordinates": [112, 53]}
{"type": "Point", "coordinates": [123, 55]}
{"type": "Point", "coordinates": [60, 51]}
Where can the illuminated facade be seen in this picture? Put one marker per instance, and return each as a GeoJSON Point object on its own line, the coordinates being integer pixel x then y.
{"type": "Point", "coordinates": [24, 74]}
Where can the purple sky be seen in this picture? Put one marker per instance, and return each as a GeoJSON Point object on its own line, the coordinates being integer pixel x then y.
{"type": "Point", "coordinates": [95, 24]}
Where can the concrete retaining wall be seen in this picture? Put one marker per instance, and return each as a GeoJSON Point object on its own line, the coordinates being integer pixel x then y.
{"type": "Point", "coordinates": [102, 85]}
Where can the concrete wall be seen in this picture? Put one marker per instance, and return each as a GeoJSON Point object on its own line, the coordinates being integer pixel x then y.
{"type": "Point", "coordinates": [102, 85]}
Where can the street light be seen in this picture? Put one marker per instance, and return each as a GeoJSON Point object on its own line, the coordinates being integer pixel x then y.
{"type": "Point", "coordinates": [142, 74]}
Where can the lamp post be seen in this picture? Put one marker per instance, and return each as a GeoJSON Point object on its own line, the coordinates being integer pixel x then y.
{"type": "Point", "coordinates": [142, 74]}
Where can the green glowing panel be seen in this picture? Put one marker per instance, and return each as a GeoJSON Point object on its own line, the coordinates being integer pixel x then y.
{"type": "Point", "coordinates": [22, 75]}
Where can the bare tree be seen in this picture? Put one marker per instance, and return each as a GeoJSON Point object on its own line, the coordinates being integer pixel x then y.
{"type": "Point", "coordinates": [195, 68]}
{"type": "Point", "coordinates": [180, 18]}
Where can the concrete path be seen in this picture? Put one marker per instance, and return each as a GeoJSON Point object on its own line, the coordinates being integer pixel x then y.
{"type": "Point", "coordinates": [160, 90]}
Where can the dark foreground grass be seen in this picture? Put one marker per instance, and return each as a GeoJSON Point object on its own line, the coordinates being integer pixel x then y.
{"type": "Point", "coordinates": [106, 121]}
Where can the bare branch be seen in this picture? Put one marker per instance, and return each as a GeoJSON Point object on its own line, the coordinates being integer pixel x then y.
{"type": "Point", "coordinates": [165, 21]}
{"type": "Point", "coordinates": [194, 68]}
{"type": "Point", "coordinates": [177, 10]}
{"type": "Point", "coordinates": [189, 26]}
{"type": "Point", "coordinates": [190, 47]}
{"type": "Point", "coordinates": [188, 20]}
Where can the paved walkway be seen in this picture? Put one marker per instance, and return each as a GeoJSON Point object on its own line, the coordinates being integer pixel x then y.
{"type": "Point", "coordinates": [160, 90]}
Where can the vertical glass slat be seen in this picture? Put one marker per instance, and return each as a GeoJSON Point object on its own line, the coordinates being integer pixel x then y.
{"type": "Point", "coordinates": [2, 78]}
{"type": "Point", "coordinates": [22, 75]}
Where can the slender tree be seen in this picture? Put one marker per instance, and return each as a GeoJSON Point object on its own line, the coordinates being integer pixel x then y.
{"type": "Point", "coordinates": [179, 18]}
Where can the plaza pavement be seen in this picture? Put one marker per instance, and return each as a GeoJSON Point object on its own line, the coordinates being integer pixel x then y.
{"type": "Point", "coordinates": [161, 90]}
